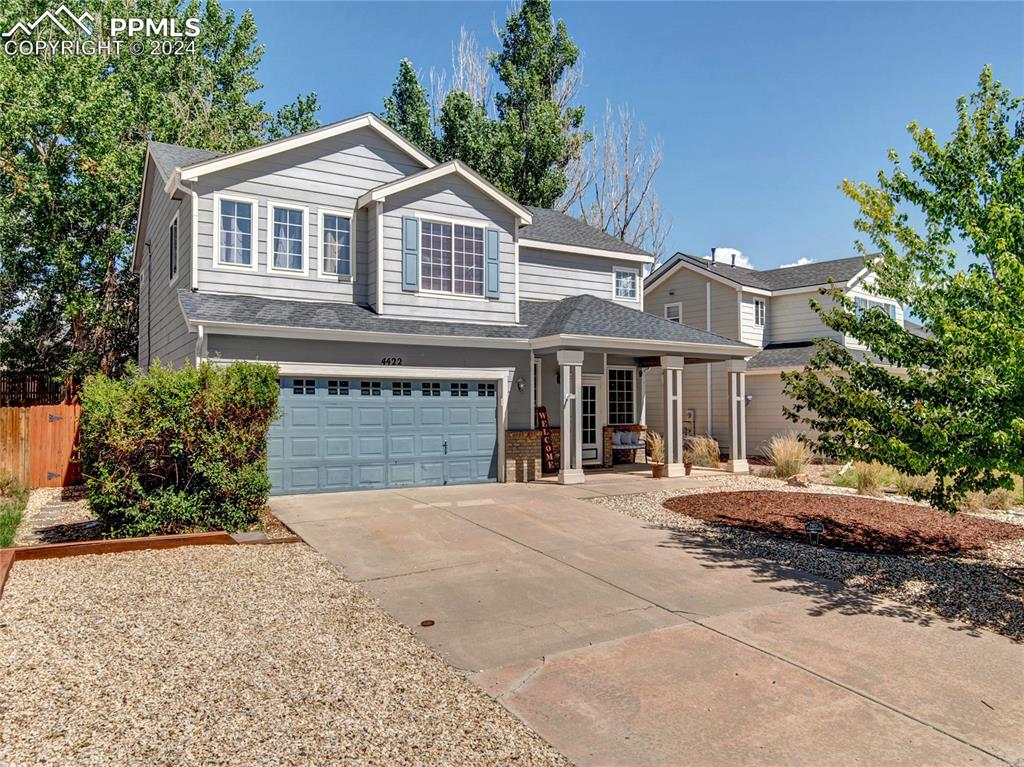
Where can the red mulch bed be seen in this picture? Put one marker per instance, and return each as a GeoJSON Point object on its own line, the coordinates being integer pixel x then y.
{"type": "Point", "coordinates": [852, 523]}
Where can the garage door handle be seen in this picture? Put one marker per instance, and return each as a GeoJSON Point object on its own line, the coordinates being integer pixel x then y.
{"type": "Point", "coordinates": [445, 446]}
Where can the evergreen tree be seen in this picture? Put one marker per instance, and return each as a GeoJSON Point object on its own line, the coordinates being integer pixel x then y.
{"type": "Point", "coordinates": [537, 137]}
{"type": "Point", "coordinates": [466, 133]}
{"type": "Point", "coordinates": [407, 109]}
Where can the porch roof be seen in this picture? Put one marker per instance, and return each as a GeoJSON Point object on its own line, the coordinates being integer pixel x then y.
{"type": "Point", "coordinates": [567, 321]}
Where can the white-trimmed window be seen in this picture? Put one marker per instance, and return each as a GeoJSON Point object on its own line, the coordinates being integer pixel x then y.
{"type": "Point", "coordinates": [674, 312]}
{"type": "Point", "coordinates": [172, 249]}
{"type": "Point", "coordinates": [234, 225]}
{"type": "Point", "coordinates": [865, 304]}
{"type": "Point", "coordinates": [627, 284]}
{"type": "Point", "coordinates": [621, 396]}
{"type": "Point", "coordinates": [759, 312]}
{"type": "Point", "coordinates": [335, 244]}
{"type": "Point", "coordinates": [452, 258]}
{"type": "Point", "coordinates": [287, 238]}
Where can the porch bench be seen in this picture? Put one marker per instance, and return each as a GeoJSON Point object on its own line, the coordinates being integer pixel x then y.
{"type": "Point", "coordinates": [631, 440]}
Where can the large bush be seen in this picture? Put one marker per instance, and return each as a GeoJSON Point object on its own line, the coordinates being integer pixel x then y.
{"type": "Point", "coordinates": [171, 451]}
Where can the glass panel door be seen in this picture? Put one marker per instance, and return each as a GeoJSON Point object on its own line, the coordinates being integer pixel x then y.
{"type": "Point", "coordinates": [591, 419]}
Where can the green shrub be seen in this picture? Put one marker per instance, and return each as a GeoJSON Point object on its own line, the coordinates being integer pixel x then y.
{"type": "Point", "coordinates": [702, 451]}
{"type": "Point", "coordinates": [787, 454]}
{"type": "Point", "coordinates": [171, 451]}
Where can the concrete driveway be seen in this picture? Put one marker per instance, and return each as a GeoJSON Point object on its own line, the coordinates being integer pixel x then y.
{"type": "Point", "coordinates": [621, 643]}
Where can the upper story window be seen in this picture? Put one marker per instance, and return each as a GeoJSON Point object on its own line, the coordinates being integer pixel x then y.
{"type": "Point", "coordinates": [759, 308]}
{"type": "Point", "coordinates": [336, 247]}
{"type": "Point", "coordinates": [674, 312]}
{"type": "Point", "coordinates": [627, 284]}
{"type": "Point", "coordinates": [863, 304]}
{"type": "Point", "coordinates": [172, 249]}
{"type": "Point", "coordinates": [234, 227]}
{"type": "Point", "coordinates": [452, 258]}
{"type": "Point", "coordinates": [288, 235]}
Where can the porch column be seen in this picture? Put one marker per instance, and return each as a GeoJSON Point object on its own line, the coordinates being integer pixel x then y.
{"type": "Point", "coordinates": [570, 368]}
{"type": "Point", "coordinates": [736, 370]}
{"type": "Point", "coordinates": [674, 445]}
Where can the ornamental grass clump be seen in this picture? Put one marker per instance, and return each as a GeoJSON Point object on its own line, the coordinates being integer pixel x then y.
{"type": "Point", "coordinates": [702, 451]}
{"type": "Point", "coordinates": [655, 447]}
{"type": "Point", "coordinates": [788, 455]}
{"type": "Point", "coordinates": [173, 451]}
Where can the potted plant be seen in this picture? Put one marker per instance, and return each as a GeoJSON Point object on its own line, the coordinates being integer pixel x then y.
{"type": "Point", "coordinates": [656, 454]}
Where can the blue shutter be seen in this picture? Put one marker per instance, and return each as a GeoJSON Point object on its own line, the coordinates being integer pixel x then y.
{"type": "Point", "coordinates": [493, 252]}
{"type": "Point", "coordinates": [410, 254]}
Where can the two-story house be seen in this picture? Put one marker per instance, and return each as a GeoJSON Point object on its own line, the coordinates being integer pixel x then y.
{"type": "Point", "coordinates": [418, 316]}
{"type": "Point", "coordinates": [767, 308]}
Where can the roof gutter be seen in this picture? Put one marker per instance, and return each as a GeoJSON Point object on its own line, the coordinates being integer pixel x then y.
{"type": "Point", "coordinates": [585, 251]}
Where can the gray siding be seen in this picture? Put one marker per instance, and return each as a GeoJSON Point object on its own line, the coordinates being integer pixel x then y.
{"type": "Point", "coordinates": [545, 275]}
{"type": "Point", "coordinates": [447, 199]}
{"type": "Point", "coordinates": [764, 413]}
{"type": "Point", "coordinates": [163, 333]}
{"type": "Point", "coordinates": [750, 333]}
{"type": "Point", "coordinates": [686, 289]}
{"type": "Point", "coordinates": [349, 353]}
{"type": "Point", "coordinates": [791, 318]}
{"type": "Point", "coordinates": [330, 174]}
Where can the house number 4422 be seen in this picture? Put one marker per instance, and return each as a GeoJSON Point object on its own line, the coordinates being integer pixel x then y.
{"type": "Point", "coordinates": [391, 361]}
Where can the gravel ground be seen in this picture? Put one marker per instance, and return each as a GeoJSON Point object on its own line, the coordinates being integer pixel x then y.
{"type": "Point", "coordinates": [49, 508]}
{"type": "Point", "coordinates": [246, 655]}
{"type": "Point", "coordinates": [984, 590]}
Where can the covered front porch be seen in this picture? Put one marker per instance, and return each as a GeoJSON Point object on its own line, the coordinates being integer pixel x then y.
{"type": "Point", "coordinates": [599, 400]}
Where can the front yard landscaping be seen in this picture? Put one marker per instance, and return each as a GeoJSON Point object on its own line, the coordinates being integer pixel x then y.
{"type": "Point", "coordinates": [966, 567]}
{"type": "Point", "coordinates": [255, 655]}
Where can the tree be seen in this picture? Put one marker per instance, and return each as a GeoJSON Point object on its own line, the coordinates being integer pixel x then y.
{"type": "Point", "coordinates": [407, 110]}
{"type": "Point", "coordinates": [612, 183]}
{"type": "Point", "coordinates": [538, 136]}
{"type": "Point", "coordinates": [73, 133]}
{"type": "Point", "coordinates": [951, 403]}
{"type": "Point", "coordinates": [466, 133]}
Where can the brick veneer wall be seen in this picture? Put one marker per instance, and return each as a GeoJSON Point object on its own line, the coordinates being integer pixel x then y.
{"type": "Point", "coordinates": [523, 462]}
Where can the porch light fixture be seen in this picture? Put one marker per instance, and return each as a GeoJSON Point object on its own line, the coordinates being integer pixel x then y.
{"type": "Point", "coordinates": [520, 383]}
{"type": "Point", "coordinates": [748, 399]}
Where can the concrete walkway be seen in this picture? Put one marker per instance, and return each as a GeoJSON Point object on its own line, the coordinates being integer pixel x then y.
{"type": "Point", "coordinates": [621, 643]}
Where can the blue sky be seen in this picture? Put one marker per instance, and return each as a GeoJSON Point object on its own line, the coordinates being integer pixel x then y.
{"type": "Point", "coordinates": [763, 108]}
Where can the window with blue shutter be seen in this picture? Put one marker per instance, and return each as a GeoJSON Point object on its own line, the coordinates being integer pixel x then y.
{"type": "Point", "coordinates": [410, 254]}
{"type": "Point", "coordinates": [493, 264]}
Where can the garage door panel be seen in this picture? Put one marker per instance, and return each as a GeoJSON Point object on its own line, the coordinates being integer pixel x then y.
{"type": "Point", "coordinates": [371, 476]}
{"type": "Point", "coordinates": [338, 416]}
{"type": "Point", "coordinates": [304, 479]}
{"type": "Point", "coordinates": [338, 477]}
{"type": "Point", "coordinates": [431, 416]}
{"type": "Point", "coordinates": [401, 446]}
{"type": "Point", "coordinates": [338, 447]}
{"type": "Point", "coordinates": [275, 446]}
{"type": "Point", "coordinates": [399, 416]}
{"type": "Point", "coordinates": [303, 447]}
{"type": "Point", "coordinates": [355, 435]}
{"type": "Point", "coordinates": [370, 417]}
{"type": "Point", "coordinates": [305, 416]}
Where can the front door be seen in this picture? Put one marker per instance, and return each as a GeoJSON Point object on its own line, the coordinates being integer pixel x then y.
{"type": "Point", "coordinates": [592, 442]}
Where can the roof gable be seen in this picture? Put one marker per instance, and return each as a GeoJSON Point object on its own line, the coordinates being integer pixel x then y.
{"type": "Point", "coordinates": [810, 275]}
{"type": "Point", "coordinates": [452, 168]}
{"type": "Point", "coordinates": [198, 168]}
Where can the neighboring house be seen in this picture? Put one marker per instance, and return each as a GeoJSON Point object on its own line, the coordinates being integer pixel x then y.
{"type": "Point", "coordinates": [418, 315]}
{"type": "Point", "coordinates": [766, 308]}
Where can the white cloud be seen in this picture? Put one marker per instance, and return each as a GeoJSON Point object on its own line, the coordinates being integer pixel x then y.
{"type": "Point", "coordinates": [801, 262]}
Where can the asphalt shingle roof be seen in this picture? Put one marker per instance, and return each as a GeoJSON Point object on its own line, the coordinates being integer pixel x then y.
{"type": "Point", "coordinates": [171, 156]}
{"type": "Point", "coordinates": [579, 315]}
{"type": "Point", "coordinates": [783, 278]}
{"type": "Point", "coordinates": [559, 229]}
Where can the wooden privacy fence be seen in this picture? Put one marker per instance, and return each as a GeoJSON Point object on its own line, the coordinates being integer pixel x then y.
{"type": "Point", "coordinates": [39, 444]}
